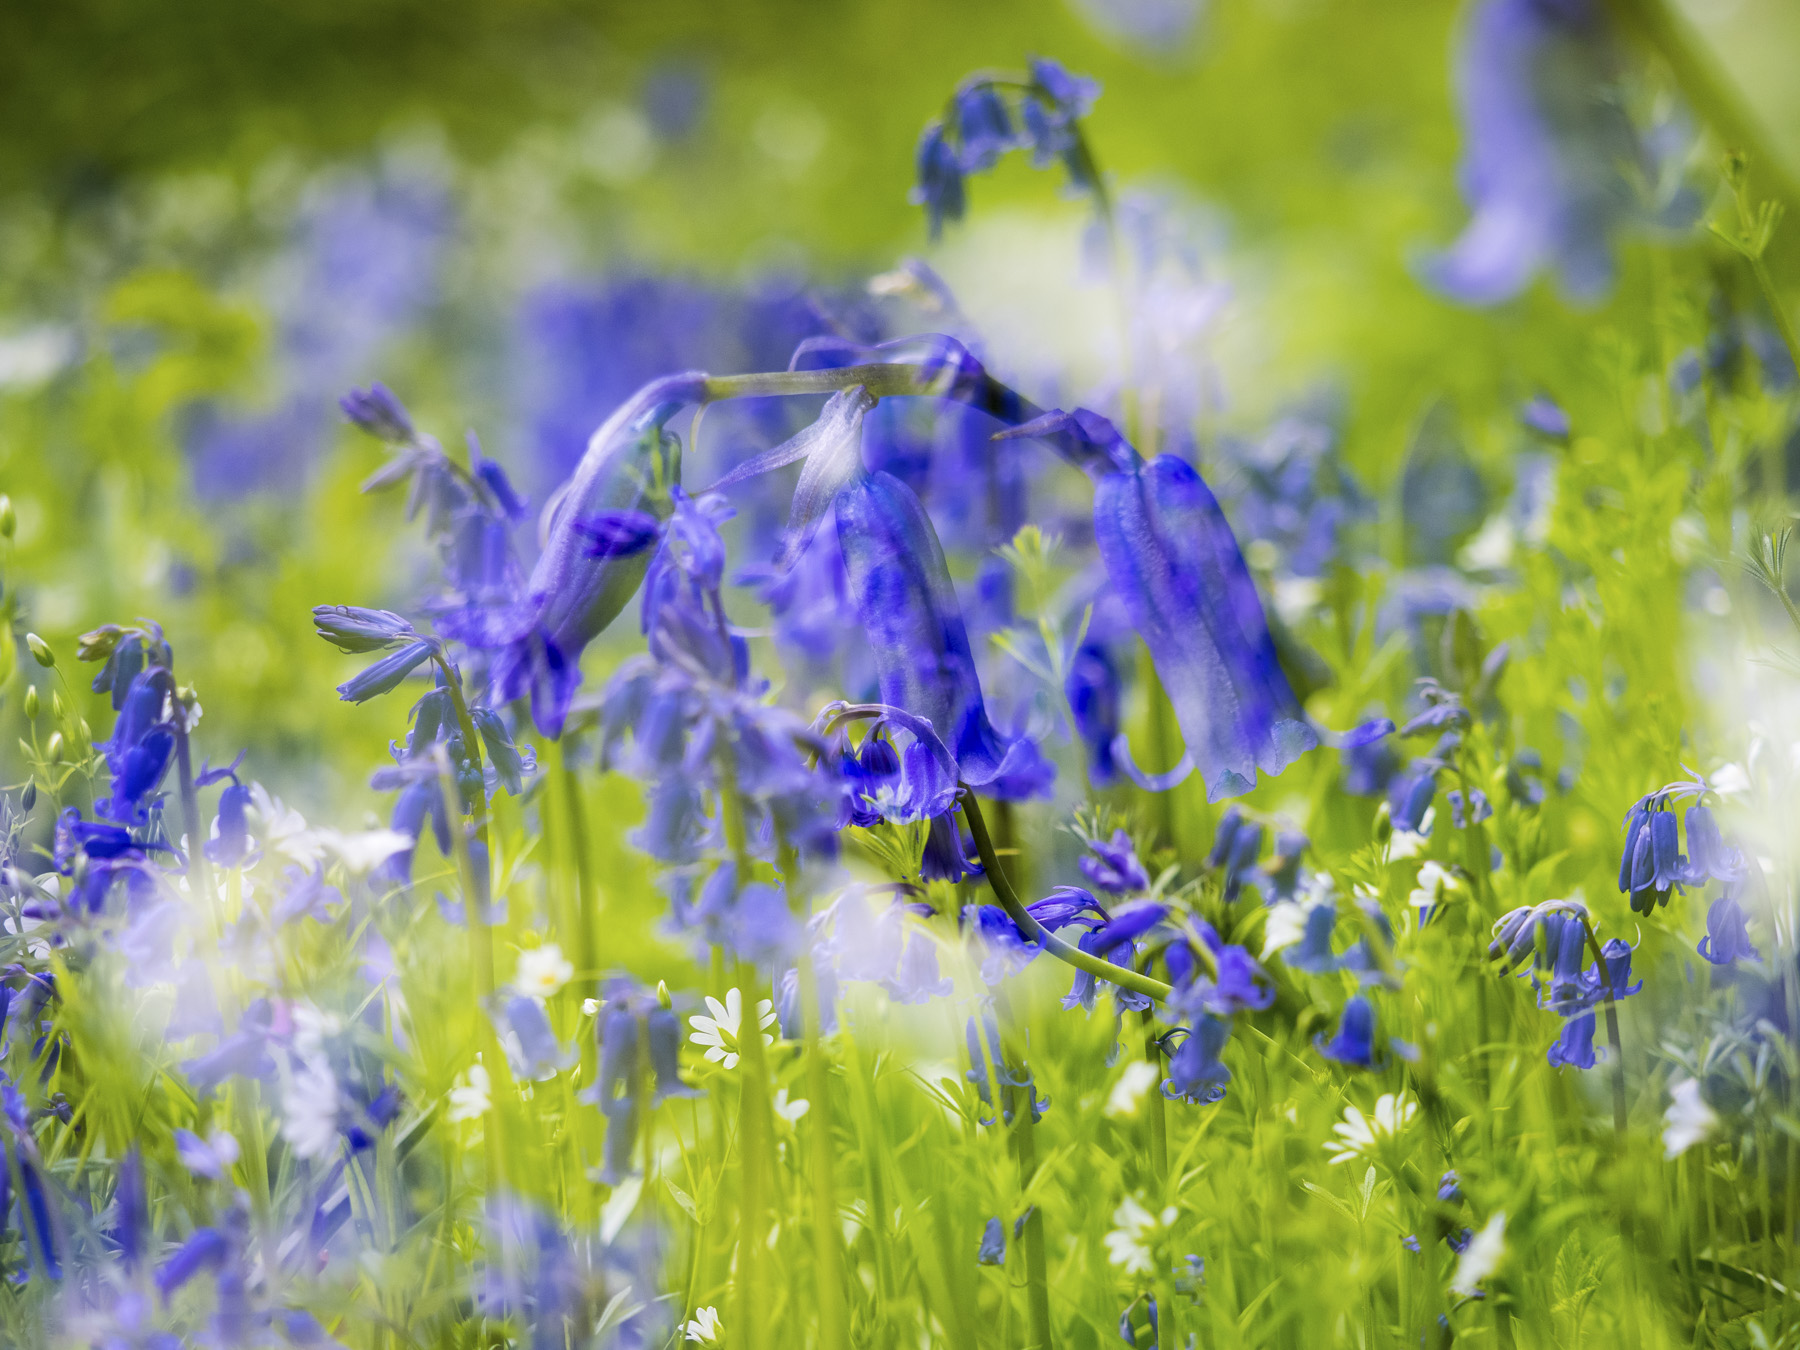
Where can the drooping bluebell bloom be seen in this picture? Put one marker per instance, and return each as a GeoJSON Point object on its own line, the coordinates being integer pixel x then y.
{"type": "Point", "coordinates": [1007, 1080]}
{"type": "Point", "coordinates": [1279, 878]}
{"type": "Point", "coordinates": [1236, 844]}
{"type": "Point", "coordinates": [206, 1250]}
{"type": "Point", "coordinates": [1544, 416]}
{"type": "Point", "coordinates": [1176, 566]}
{"type": "Point", "coordinates": [1004, 950]}
{"type": "Point", "coordinates": [1369, 768]}
{"type": "Point", "coordinates": [1094, 691]}
{"type": "Point", "coordinates": [1481, 808]}
{"type": "Point", "coordinates": [1549, 151]}
{"type": "Point", "coordinates": [1113, 865]}
{"type": "Point", "coordinates": [1574, 1046]}
{"type": "Point", "coordinates": [132, 1221]}
{"type": "Point", "coordinates": [1449, 1191]}
{"type": "Point", "coordinates": [1409, 797]}
{"type": "Point", "coordinates": [1241, 985]}
{"type": "Point", "coordinates": [992, 1251]}
{"type": "Point", "coordinates": [913, 624]}
{"type": "Point", "coordinates": [230, 844]}
{"type": "Point", "coordinates": [940, 179]}
{"type": "Point", "coordinates": [1058, 101]}
{"type": "Point", "coordinates": [1196, 1073]}
{"type": "Point", "coordinates": [576, 589]}
{"type": "Point", "coordinates": [1313, 954]}
{"type": "Point", "coordinates": [1727, 938]}
{"type": "Point", "coordinates": [946, 857]}
{"type": "Point", "coordinates": [983, 126]}
{"type": "Point", "coordinates": [386, 674]}
{"type": "Point", "coordinates": [532, 1046]}
{"type": "Point", "coordinates": [1709, 856]}
{"type": "Point", "coordinates": [918, 978]}
{"type": "Point", "coordinates": [142, 745]}
{"type": "Point", "coordinates": [1354, 1043]}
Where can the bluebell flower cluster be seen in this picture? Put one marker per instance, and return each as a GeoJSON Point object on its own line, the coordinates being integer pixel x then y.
{"type": "Point", "coordinates": [990, 116]}
{"type": "Point", "coordinates": [1553, 941]}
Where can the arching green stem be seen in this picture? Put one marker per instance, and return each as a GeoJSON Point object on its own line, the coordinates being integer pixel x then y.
{"type": "Point", "coordinates": [1035, 931]}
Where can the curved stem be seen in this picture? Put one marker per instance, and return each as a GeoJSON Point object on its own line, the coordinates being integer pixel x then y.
{"type": "Point", "coordinates": [1612, 1030]}
{"type": "Point", "coordinates": [1035, 931]}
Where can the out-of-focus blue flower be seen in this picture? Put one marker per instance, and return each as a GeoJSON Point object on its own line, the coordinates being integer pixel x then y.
{"type": "Point", "coordinates": [1196, 1073]}
{"type": "Point", "coordinates": [1549, 152]}
{"type": "Point", "coordinates": [1727, 938]}
{"type": "Point", "coordinates": [940, 179]}
{"type": "Point", "coordinates": [1543, 416]}
{"type": "Point", "coordinates": [1236, 844]}
{"type": "Point", "coordinates": [1113, 866]}
{"type": "Point", "coordinates": [983, 126]}
{"type": "Point", "coordinates": [1112, 937]}
{"type": "Point", "coordinates": [1006, 1081]}
{"type": "Point", "coordinates": [1482, 808]}
{"type": "Point", "coordinates": [1449, 1191]}
{"type": "Point", "coordinates": [1004, 950]}
{"type": "Point", "coordinates": [1574, 1046]}
{"type": "Point", "coordinates": [1354, 1043]}
{"type": "Point", "coordinates": [1409, 796]}
{"type": "Point", "coordinates": [532, 1046]}
{"type": "Point", "coordinates": [1313, 954]}
{"type": "Point", "coordinates": [992, 1251]}
{"type": "Point", "coordinates": [1094, 691]}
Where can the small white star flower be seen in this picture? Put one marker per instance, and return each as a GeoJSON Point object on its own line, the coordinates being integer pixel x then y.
{"type": "Point", "coordinates": [1688, 1121]}
{"type": "Point", "coordinates": [1481, 1257]}
{"type": "Point", "coordinates": [1127, 1096]}
{"type": "Point", "coordinates": [704, 1327]}
{"type": "Point", "coordinates": [719, 1033]}
{"type": "Point", "coordinates": [542, 971]}
{"type": "Point", "coordinates": [1136, 1230]}
{"type": "Point", "coordinates": [471, 1097]}
{"type": "Point", "coordinates": [790, 1109]}
{"type": "Point", "coordinates": [1358, 1134]}
{"type": "Point", "coordinates": [309, 1107]}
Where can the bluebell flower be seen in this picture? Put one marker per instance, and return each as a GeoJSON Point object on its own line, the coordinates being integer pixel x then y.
{"type": "Point", "coordinates": [1006, 1081]}
{"type": "Point", "coordinates": [576, 590]}
{"type": "Point", "coordinates": [1449, 1190]}
{"type": "Point", "coordinates": [1196, 1073]}
{"type": "Point", "coordinates": [1004, 950]}
{"type": "Point", "coordinates": [386, 674]}
{"type": "Point", "coordinates": [1709, 856]}
{"type": "Point", "coordinates": [983, 126]}
{"type": "Point", "coordinates": [913, 624]}
{"type": "Point", "coordinates": [1543, 416]}
{"type": "Point", "coordinates": [1409, 797]}
{"type": "Point", "coordinates": [789, 1009]}
{"type": "Point", "coordinates": [1369, 767]}
{"type": "Point", "coordinates": [1354, 1043]}
{"type": "Point", "coordinates": [1236, 844]}
{"type": "Point", "coordinates": [1113, 865]}
{"type": "Point", "coordinates": [1313, 954]}
{"type": "Point", "coordinates": [1480, 810]}
{"type": "Point", "coordinates": [1575, 1045]}
{"type": "Point", "coordinates": [532, 1046]}
{"type": "Point", "coordinates": [1175, 565]}
{"type": "Point", "coordinates": [940, 179]}
{"type": "Point", "coordinates": [1727, 939]}
{"type": "Point", "coordinates": [1279, 879]}
{"type": "Point", "coordinates": [1240, 986]}
{"type": "Point", "coordinates": [1548, 151]}
{"type": "Point", "coordinates": [1094, 691]}
{"type": "Point", "coordinates": [918, 978]}
{"type": "Point", "coordinates": [132, 1220]}
{"type": "Point", "coordinates": [992, 1251]}
{"type": "Point", "coordinates": [1058, 101]}
{"type": "Point", "coordinates": [946, 857]}
{"type": "Point", "coordinates": [230, 844]}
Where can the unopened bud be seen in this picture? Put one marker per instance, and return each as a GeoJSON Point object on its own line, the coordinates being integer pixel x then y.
{"type": "Point", "coordinates": [54, 749]}
{"type": "Point", "coordinates": [28, 798]}
{"type": "Point", "coordinates": [98, 644]}
{"type": "Point", "coordinates": [589, 1006]}
{"type": "Point", "coordinates": [84, 734]}
{"type": "Point", "coordinates": [662, 994]}
{"type": "Point", "coordinates": [56, 705]}
{"type": "Point", "coordinates": [40, 651]}
{"type": "Point", "coordinates": [31, 702]}
{"type": "Point", "coordinates": [1384, 825]}
{"type": "Point", "coordinates": [9, 518]}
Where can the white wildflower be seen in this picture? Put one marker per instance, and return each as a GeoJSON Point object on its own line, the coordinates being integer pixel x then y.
{"type": "Point", "coordinates": [284, 829]}
{"type": "Point", "coordinates": [542, 971]}
{"type": "Point", "coordinates": [471, 1098]}
{"type": "Point", "coordinates": [1688, 1121]}
{"type": "Point", "coordinates": [1481, 1257]}
{"type": "Point", "coordinates": [365, 850]}
{"type": "Point", "coordinates": [719, 1033]}
{"type": "Point", "coordinates": [790, 1109]}
{"type": "Point", "coordinates": [1358, 1134]}
{"type": "Point", "coordinates": [312, 1025]}
{"type": "Point", "coordinates": [1436, 883]}
{"type": "Point", "coordinates": [704, 1327]}
{"type": "Point", "coordinates": [1130, 1244]}
{"type": "Point", "coordinates": [1730, 780]}
{"type": "Point", "coordinates": [1127, 1095]}
{"type": "Point", "coordinates": [309, 1107]}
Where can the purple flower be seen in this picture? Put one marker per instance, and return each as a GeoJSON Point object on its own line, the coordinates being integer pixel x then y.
{"type": "Point", "coordinates": [1575, 1045]}
{"type": "Point", "coordinates": [1354, 1043]}
{"type": "Point", "coordinates": [1175, 564]}
{"type": "Point", "coordinates": [1195, 1071]}
{"type": "Point", "coordinates": [1114, 865]}
{"type": "Point", "coordinates": [1727, 939]}
{"type": "Point", "coordinates": [1094, 690]}
{"type": "Point", "coordinates": [992, 1251]}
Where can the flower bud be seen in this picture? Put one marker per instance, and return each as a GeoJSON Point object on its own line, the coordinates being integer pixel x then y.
{"type": "Point", "coordinates": [53, 751]}
{"type": "Point", "coordinates": [98, 644]}
{"type": "Point", "coordinates": [40, 651]}
{"type": "Point", "coordinates": [9, 518]}
{"type": "Point", "coordinates": [31, 702]}
{"type": "Point", "coordinates": [56, 706]}
{"type": "Point", "coordinates": [662, 994]}
{"type": "Point", "coordinates": [28, 798]}
{"type": "Point", "coordinates": [1384, 825]}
